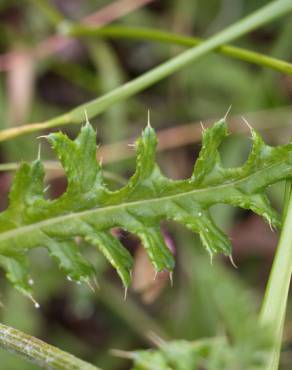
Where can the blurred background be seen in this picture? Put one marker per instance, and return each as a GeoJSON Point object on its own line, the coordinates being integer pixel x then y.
{"type": "Point", "coordinates": [42, 76]}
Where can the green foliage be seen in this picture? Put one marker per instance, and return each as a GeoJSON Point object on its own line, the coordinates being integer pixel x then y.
{"type": "Point", "coordinates": [239, 342]}
{"type": "Point", "coordinates": [211, 354]}
{"type": "Point", "coordinates": [89, 210]}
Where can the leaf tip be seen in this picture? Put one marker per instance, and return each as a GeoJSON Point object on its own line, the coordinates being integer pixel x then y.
{"type": "Point", "coordinates": [147, 141]}
{"type": "Point", "coordinates": [232, 261]}
{"type": "Point", "coordinates": [35, 303]}
{"type": "Point", "coordinates": [248, 125]}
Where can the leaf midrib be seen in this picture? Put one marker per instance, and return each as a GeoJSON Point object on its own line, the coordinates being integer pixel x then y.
{"type": "Point", "coordinates": [51, 221]}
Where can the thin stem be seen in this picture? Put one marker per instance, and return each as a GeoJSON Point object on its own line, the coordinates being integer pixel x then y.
{"type": "Point", "coordinates": [55, 43]}
{"type": "Point", "coordinates": [39, 352]}
{"type": "Point", "coordinates": [287, 196]}
{"type": "Point", "coordinates": [139, 33]}
{"type": "Point", "coordinates": [264, 15]}
{"type": "Point", "coordinates": [276, 296]}
{"type": "Point", "coordinates": [51, 12]}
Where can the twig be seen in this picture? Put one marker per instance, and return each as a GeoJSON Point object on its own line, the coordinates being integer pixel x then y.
{"type": "Point", "coordinates": [97, 106]}
{"type": "Point", "coordinates": [39, 352]}
{"type": "Point", "coordinates": [155, 35]}
{"type": "Point", "coordinates": [56, 43]}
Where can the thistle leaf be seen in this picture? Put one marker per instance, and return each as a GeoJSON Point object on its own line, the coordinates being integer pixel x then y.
{"type": "Point", "coordinates": [17, 273]}
{"type": "Point", "coordinates": [176, 355]}
{"type": "Point", "coordinates": [243, 343]}
{"type": "Point", "coordinates": [115, 252]}
{"type": "Point", "coordinates": [70, 260]}
{"type": "Point", "coordinates": [89, 210]}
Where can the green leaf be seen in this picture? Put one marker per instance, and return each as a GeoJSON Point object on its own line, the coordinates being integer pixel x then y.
{"type": "Point", "coordinates": [70, 260]}
{"type": "Point", "coordinates": [17, 273]}
{"type": "Point", "coordinates": [115, 252]}
{"type": "Point", "coordinates": [183, 355]}
{"type": "Point", "coordinates": [240, 342]}
{"type": "Point", "coordinates": [89, 210]}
